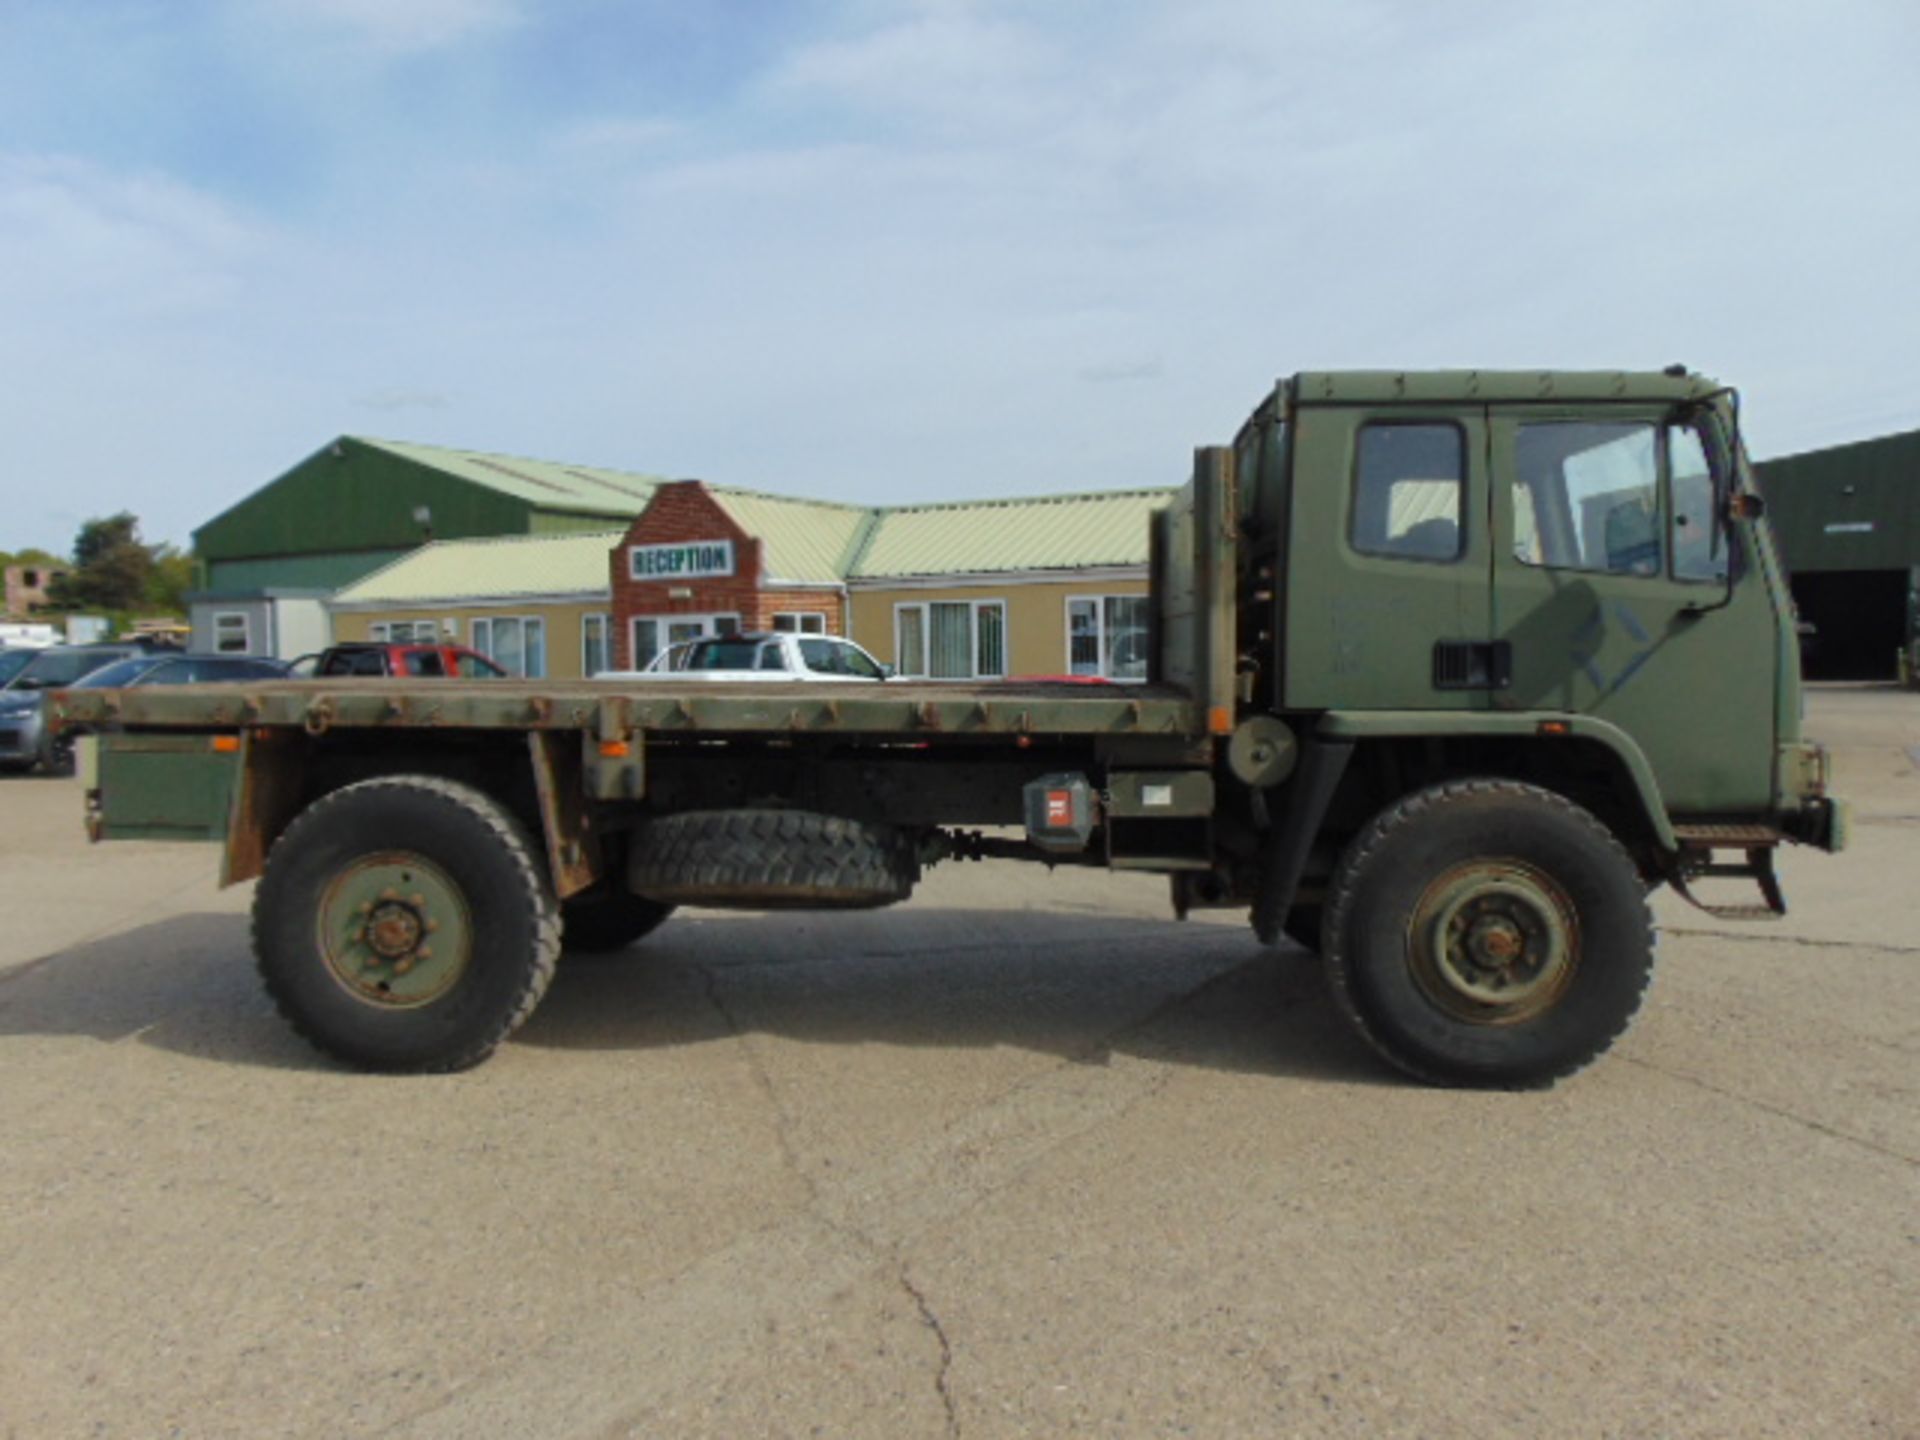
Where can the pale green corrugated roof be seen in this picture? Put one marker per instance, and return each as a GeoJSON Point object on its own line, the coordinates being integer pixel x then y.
{"type": "Point", "coordinates": [805, 540]}
{"type": "Point", "coordinates": [801, 539]}
{"type": "Point", "coordinates": [506, 566]}
{"type": "Point", "coordinates": [549, 484]}
{"type": "Point", "coordinates": [1055, 532]}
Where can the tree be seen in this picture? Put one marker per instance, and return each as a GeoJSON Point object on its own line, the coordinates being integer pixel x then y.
{"type": "Point", "coordinates": [111, 568]}
{"type": "Point", "coordinates": [173, 576]}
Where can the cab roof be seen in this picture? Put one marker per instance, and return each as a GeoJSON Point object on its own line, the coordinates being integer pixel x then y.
{"type": "Point", "coordinates": [1379, 387]}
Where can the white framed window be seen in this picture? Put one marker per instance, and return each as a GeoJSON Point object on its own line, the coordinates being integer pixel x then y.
{"type": "Point", "coordinates": [801, 622]}
{"type": "Point", "coordinates": [1107, 635]}
{"type": "Point", "coordinates": [596, 634]}
{"type": "Point", "coordinates": [232, 632]}
{"type": "Point", "coordinates": [405, 632]}
{"type": "Point", "coordinates": [951, 639]}
{"type": "Point", "coordinates": [650, 634]}
{"type": "Point", "coordinates": [516, 643]}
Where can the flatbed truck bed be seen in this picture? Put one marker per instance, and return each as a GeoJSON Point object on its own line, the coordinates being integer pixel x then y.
{"type": "Point", "coordinates": [896, 708]}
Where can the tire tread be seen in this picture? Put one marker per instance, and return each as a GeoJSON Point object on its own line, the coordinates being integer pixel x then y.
{"type": "Point", "coordinates": [1354, 863]}
{"type": "Point", "coordinates": [543, 941]}
{"type": "Point", "coordinates": [800, 856]}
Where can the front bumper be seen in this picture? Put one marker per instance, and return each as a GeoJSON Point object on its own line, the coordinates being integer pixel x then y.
{"type": "Point", "coordinates": [1823, 822]}
{"type": "Point", "coordinates": [1809, 814]}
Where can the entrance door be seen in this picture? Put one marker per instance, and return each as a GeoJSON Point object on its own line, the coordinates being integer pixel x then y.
{"type": "Point", "coordinates": [1611, 558]}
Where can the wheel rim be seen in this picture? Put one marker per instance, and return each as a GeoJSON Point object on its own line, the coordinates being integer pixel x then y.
{"type": "Point", "coordinates": [1494, 942]}
{"type": "Point", "coordinates": [394, 930]}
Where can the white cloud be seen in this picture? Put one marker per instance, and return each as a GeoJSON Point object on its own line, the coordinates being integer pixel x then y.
{"type": "Point", "coordinates": [80, 242]}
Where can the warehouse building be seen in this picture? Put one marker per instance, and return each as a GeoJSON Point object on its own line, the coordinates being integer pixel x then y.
{"type": "Point", "coordinates": [1848, 522]}
{"type": "Point", "coordinates": [1050, 585]}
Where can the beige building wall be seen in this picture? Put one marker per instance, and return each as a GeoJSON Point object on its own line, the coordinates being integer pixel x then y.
{"type": "Point", "coordinates": [1036, 615]}
{"type": "Point", "coordinates": [563, 622]}
{"type": "Point", "coordinates": [1036, 618]}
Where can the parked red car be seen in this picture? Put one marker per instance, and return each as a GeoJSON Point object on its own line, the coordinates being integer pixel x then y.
{"type": "Point", "coordinates": [412, 660]}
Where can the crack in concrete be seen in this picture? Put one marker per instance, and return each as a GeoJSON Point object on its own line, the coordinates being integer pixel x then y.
{"type": "Point", "coordinates": [915, 1192]}
{"type": "Point", "coordinates": [782, 1121]}
{"type": "Point", "coordinates": [943, 1376]}
{"type": "Point", "coordinates": [1819, 1127]}
{"type": "Point", "coordinates": [1808, 941]}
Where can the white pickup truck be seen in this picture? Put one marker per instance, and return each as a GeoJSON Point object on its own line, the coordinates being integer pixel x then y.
{"type": "Point", "coordinates": [756, 655]}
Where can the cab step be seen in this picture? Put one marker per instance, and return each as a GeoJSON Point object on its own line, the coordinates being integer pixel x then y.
{"type": "Point", "coordinates": [1756, 842]}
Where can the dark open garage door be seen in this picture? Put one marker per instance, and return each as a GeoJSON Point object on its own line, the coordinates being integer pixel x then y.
{"type": "Point", "coordinates": [1859, 620]}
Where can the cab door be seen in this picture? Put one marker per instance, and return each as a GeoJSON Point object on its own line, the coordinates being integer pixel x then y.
{"type": "Point", "coordinates": [1612, 593]}
{"type": "Point", "coordinates": [1387, 589]}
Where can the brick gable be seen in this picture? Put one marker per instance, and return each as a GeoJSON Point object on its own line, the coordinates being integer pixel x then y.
{"type": "Point", "coordinates": [685, 512]}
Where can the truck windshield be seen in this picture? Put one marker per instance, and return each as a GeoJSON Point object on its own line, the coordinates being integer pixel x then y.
{"type": "Point", "coordinates": [12, 662]}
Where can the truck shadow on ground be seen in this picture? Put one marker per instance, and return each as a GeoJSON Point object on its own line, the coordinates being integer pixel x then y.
{"type": "Point", "coordinates": [1072, 986]}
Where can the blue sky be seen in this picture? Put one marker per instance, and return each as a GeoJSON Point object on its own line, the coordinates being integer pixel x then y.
{"type": "Point", "coordinates": [890, 252]}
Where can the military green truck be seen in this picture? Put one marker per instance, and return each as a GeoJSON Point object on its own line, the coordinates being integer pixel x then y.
{"type": "Point", "coordinates": [1450, 671]}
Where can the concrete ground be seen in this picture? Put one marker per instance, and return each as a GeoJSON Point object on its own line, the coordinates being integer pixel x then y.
{"type": "Point", "coordinates": [1023, 1157]}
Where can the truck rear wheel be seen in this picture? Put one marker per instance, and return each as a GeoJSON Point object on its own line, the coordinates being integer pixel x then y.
{"type": "Point", "coordinates": [771, 860]}
{"type": "Point", "coordinates": [1486, 932]}
{"type": "Point", "coordinates": [403, 924]}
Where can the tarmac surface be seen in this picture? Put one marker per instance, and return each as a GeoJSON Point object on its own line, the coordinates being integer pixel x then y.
{"type": "Point", "coordinates": [1022, 1157]}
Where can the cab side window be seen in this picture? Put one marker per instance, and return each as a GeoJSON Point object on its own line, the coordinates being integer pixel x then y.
{"type": "Point", "coordinates": [1586, 496]}
{"type": "Point", "coordinates": [1699, 534]}
{"type": "Point", "coordinates": [1409, 492]}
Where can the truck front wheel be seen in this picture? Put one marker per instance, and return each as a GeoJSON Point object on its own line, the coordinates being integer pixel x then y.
{"type": "Point", "coordinates": [403, 924]}
{"type": "Point", "coordinates": [1486, 932]}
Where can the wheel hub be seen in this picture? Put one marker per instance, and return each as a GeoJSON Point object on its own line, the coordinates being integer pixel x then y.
{"type": "Point", "coordinates": [1494, 941]}
{"type": "Point", "coordinates": [394, 929]}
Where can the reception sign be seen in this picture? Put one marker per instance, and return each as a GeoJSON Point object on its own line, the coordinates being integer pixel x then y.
{"type": "Point", "coordinates": [686, 560]}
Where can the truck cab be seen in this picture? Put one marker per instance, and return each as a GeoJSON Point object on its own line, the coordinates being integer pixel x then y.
{"type": "Point", "coordinates": [1583, 558]}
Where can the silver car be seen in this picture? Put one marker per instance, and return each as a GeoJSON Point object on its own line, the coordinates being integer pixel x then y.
{"type": "Point", "coordinates": [25, 739]}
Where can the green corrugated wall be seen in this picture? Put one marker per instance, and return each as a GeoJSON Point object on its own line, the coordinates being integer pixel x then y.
{"type": "Point", "coordinates": [350, 501]}
{"type": "Point", "coordinates": [1852, 507]}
